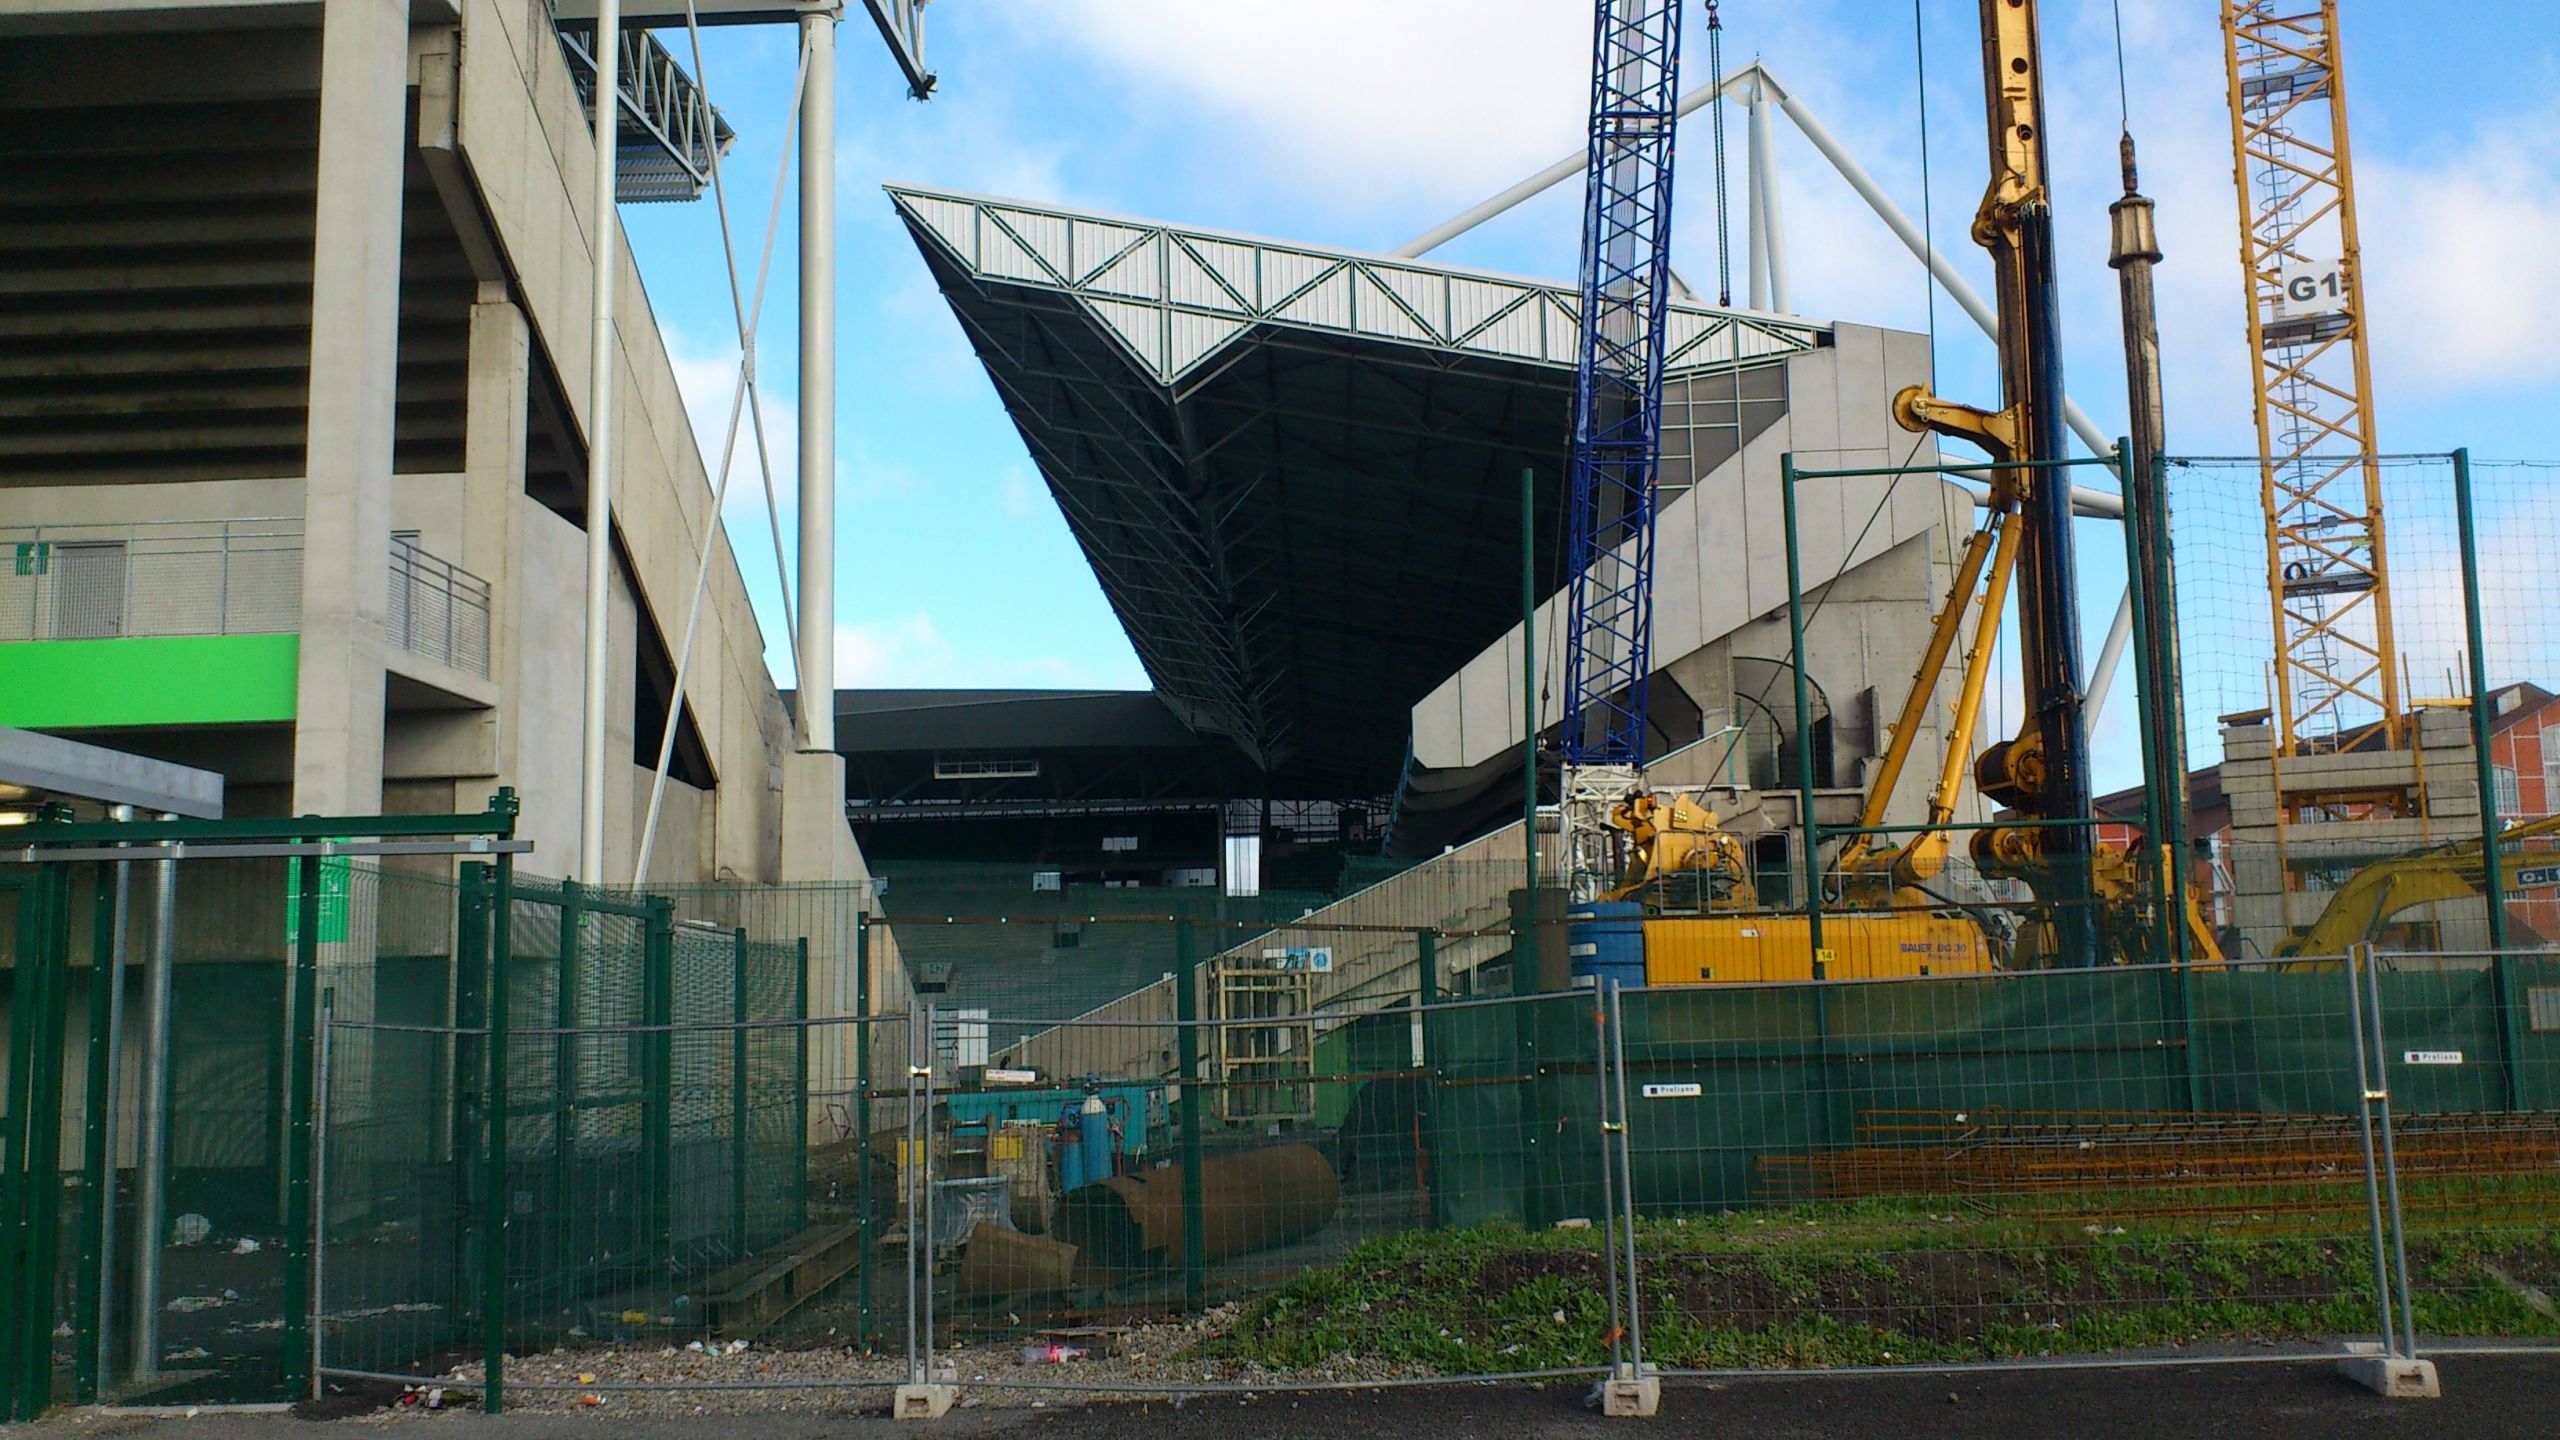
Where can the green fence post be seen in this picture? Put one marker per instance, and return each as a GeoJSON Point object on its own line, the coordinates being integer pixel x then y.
{"type": "Point", "coordinates": [800, 1067]}
{"type": "Point", "coordinates": [738, 1117]}
{"type": "Point", "coordinates": [300, 1103]}
{"type": "Point", "coordinates": [16, 1289]}
{"type": "Point", "coordinates": [1195, 1265]}
{"type": "Point", "coordinates": [30, 1147]}
{"type": "Point", "coordinates": [493, 1178]}
{"type": "Point", "coordinates": [2169, 713]}
{"type": "Point", "coordinates": [2502, 982]}
{"type": "Point", "coordinates": [1528, 699]}
{"type": "Point", "coordinates": [97, 1167]}
{"type": "Point", "coordinates": [1804, 716]}
{"type": "Point", "coordinates": [1426, 995]}
{"type": "Point", "coordinates": [862, 1110]}
{"type": "Point", "coordinates": [564, 1074]}
{"type": "Point", "coordinates": [657, 1082]}
{"type": "Point", "coordinates": [469, 1011]}
{"type": "Point", "coordinates": [2493, 886]}
{"type": "Point", "coordinates": [2492, 864]}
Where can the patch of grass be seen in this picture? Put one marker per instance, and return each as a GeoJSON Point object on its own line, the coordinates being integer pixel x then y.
{"type": "Point", "coordinates": [1872, 1283]}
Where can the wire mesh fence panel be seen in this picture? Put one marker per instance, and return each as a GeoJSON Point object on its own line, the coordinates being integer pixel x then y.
{"type": "Point", "coordinates": [2370, 690]}
{"type": "Point", "coordinates": [207, 1310]}
{"type": "Point", "coordinates": [605, 1268]}
{"type": "Point", "coordinates": [1970, 1168]}
{"type": "Point", "coordinates": [390, 1121]}
{"type": "Point", "coordinates": [53, 1186]}
{"type": "Point", "coordinates": [1187, 1187]}
{"type": "Point", "coordinates": [2466, 1049]}
{"type": "Point", "coordinates": [389, 1230]}
{"type": "Point", "coordinates": [398, 1238]}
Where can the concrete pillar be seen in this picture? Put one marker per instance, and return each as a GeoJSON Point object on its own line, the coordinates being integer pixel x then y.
{"type": "Point", "coordinates": [497, 393]}
{"type": "Point", "coordinates": [817, 843]}
{"type": "Point", "coordinates": [355, 348]}
{"type": "Point", "coordinates": [496, 399]}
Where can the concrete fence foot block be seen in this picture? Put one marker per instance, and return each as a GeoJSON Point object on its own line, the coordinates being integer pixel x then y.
{"type": "Point", "coordinates": [2392, 1377]}
{"type": "Point", "coordinates": [924, 1402]}
{"type": "Point", "coordinates": [1631, 1392]}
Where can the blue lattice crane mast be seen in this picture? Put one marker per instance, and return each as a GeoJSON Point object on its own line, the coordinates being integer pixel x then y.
{"type": "Point", "coordinates": [1617, 414]}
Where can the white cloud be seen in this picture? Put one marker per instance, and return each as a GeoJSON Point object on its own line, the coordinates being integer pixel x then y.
{"type": "Point", "coordinates": [2462, 267]}
{"type": "Point", "coordinates": [1445, 98]}
{"type": "Point", "coordinates": [906, 650]}
{"type": "Point", "coordinates": [707, 376]}
{"type": "Point", "coordinates": [1021, 493]}
{"type": "Point", "coordinates": [910, 651]}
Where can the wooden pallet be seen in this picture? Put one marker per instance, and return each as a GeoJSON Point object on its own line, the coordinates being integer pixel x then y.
{"type": "Point", "coordinates": [751, 1295]}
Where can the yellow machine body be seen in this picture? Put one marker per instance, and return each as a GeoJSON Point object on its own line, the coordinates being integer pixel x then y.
{"type": "Point", "coordinates": [1741, 949]}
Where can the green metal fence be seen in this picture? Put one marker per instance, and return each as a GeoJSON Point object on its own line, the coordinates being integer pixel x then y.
{"type": "Point", "coordinates": [646, 1147]}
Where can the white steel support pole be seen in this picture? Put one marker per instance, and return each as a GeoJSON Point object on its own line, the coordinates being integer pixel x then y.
{"type": "Point", "coordinates": [114, 980]}
{"type": "Point", "coordinates": [1566, 168]}
{"type": "Point", "coordinates": [817, 659]}
{"type": "Point", "coordinates": [1756, 257]}
{"type": "Point", "coordinates": [1966, 297]}
{"type": "Point", "coordinates": [600, 363]}
{"type": "Point", "coordinates": [2102, 675]}
{"type": "Point", "coordinates": [1764, 196]}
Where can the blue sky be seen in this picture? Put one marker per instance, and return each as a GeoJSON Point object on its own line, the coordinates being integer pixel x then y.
{"type": "Point", "coordinates": [1363, 124]}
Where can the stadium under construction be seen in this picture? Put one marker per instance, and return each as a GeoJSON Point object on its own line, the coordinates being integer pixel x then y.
{"type": "Point", "coordinates": [434, 939]}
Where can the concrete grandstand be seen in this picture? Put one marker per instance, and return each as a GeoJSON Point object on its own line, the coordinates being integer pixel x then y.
{"type": "Point", "coordinates": [1295, 471]}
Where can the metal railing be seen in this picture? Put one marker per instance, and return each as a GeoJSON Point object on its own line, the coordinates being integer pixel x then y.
{"type": "Point", "coordinates": [437, 609]}
{"type": "Point", "coordinates": [151, 578]}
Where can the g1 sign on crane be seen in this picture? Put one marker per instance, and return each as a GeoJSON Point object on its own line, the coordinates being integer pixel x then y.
{"type": "Point", "coordinates": [1617, 417]}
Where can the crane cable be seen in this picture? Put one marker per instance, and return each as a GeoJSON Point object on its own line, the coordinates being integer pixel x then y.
{"type": "Point", "coordinates": [1724, 234]}
{"type": "Point", "coordinates": [2124, 95]}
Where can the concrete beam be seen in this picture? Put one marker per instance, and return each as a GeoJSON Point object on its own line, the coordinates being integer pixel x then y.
{"type": "Point", "coordinates": [56, 17]}
{"type": "Point", "coordinates": [52, 766]}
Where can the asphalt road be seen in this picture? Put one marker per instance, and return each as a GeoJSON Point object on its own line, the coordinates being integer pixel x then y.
{"type": "Point", "coordinates": [2486, 1398]}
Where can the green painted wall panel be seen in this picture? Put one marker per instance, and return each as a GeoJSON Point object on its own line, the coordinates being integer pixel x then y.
{"type": "Point", "coordinates": [159, 680]}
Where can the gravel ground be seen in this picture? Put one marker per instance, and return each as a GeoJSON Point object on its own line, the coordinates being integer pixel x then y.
{"type": "Point", "coordinates": [2485, 1399]}
{"type": "Point", "coordinates": [743, 1378]}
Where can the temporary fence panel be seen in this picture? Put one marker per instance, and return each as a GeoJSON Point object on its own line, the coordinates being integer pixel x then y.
{"type": "Point", "coordinates": [2405, 670]}
{"type": "Point", "coordinates": [2466, 1056]}
{"type": "Point", "coordinates": [1286, 1099]}
{"type": "Point", "coordinates": [1956, 1169]}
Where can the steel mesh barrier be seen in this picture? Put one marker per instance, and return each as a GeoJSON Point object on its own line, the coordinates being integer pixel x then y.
{"type": "Point", "coordinates": [2352, 702]}
{"type": "Point", "coordinates": [705, 1153]}
{"type": "Point", "coordinates": [2466, 1049]}
{"type": "Point", "coordinates": [647, 1140]}
{"type": "Point", "coordinates": [1144, 1197]}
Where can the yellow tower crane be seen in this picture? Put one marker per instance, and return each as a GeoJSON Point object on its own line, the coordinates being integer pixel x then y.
{"type": "Point", "coordinates": [2336, 682]}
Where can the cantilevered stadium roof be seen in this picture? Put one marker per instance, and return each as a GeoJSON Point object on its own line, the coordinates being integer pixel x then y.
{"type": "Point", "coordinates": [1295, 470]}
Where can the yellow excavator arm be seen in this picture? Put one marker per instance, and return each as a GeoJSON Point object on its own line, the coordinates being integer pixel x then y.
{"type": "Point", "coordinates": [2371, 896]}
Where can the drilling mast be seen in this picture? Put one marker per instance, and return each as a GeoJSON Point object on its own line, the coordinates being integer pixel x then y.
{"type": "Point", "coordinates": [2042, 773]}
